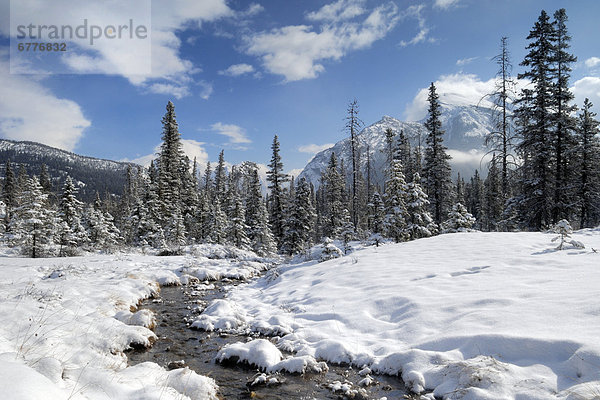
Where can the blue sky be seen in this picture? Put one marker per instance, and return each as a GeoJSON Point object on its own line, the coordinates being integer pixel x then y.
{"type": "Point", "coordinates": [240, 72]}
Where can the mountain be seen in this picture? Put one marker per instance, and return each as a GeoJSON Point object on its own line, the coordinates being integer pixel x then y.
{"type": "Point", "coordinates": [91, 174]}
{"type": "Point", "coordinates": [465, 129]}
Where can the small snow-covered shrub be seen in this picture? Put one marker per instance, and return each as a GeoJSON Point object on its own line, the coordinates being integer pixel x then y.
{"type": "Point", "coordinates": [459, 220]}
{"type": "Point", "coordinates": [330, 250]}
{"type": "Point", "coordinates": [564, 230]}
{"type": "Point", "coordinates": [375, 239]}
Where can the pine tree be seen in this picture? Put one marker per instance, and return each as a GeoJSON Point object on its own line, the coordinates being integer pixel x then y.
{"type": "Point", "coordinates": [395, 218]}
{"type": "Point", "coordinates": [419, 223]}
{"type": "Point", "coordinates": [438, 182]}
{"type": "Point", "coordinates": [353, 124]}
{"type": "Point", "coordinates": [299, 227]}
{"type": "Point", "coordinates": [562, 118]}
{"type": "Point", "coordinates": [588, 154]}
{"type": "Point", "coordinates": [534, 120]}
{"type": "Point", "coordinates": [276, 179]}
{"type": "Point", "coordinates": [257, 220]}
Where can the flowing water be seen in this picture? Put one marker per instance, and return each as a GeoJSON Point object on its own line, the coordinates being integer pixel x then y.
{"type": "Point", "coordinates": [180, 346]}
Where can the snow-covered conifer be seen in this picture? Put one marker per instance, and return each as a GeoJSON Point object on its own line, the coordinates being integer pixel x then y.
{"type": "Point", "coordinates": [299, 226]}
{"type": "Point", "coordinates": [459, 220]}
{"type": "Point", "coordinates": [419, 223]}
{"type": "Point", "coordinates": [438, 182]}
{"type": "Point", "coordinates": [395, 195]}
{"type": "Point", "coordinates": [276, 179]}
{"type": "Point", "coordinates": [32, 225]}
{"type": "Point", "coordinates": [236, 232]}
{"type": "Point", "coordinates": [257, 219]}
{"type": "Point", "coordinates": [376, 213]}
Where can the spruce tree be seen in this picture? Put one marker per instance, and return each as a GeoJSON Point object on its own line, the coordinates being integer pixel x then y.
{"type": "Point", "coordinates": [494, 203]}
{"type": "Point", "coordinates": [257, 220]}
{"type": "Point", "coordinates": [10, 193]}
{"type": "Point", "coordinates": [236, 232]}
{"type": "Point", "coordinates": [459, 220]}
{"type": "Point", "coordinates": [172, 166]}
{"type": "Point", "coordinates": [217, 223]}
{"type": "Point", "coordinates": [333, 188]}
{"type": "Point", "coordinates": [220, 178]}
{"type": "Point", "coordinates": [588, 155]}
{"type": "Point", "coordinates": [395, 195]}
{"type": "Point", "coordinates": [562, 118]}
{"type": "Point", "coordinates": [437, 170]}
{"type": "Point", "coordinates": [299, 226]}
{"type": "Point", "coordinates": [534, 121]}
{"type": "Point", "coordinates": [72, 231]}
{"type": "Point", "coordinates": [45, 179]}
{"type": "Point", "coordinates": [419, 223]}
{"type": "Point", "coordinates": [404, 154]}
{"type": "Point", "coordinates": [32, 226]}
{"type": "Point", "coordinates": [376, 213]}
{"type": "Point", "coordinates": [276, 179]}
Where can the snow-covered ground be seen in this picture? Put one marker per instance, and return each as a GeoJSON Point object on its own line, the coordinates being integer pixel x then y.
{"type": "Point", "coordinates": [67, 321]}
{"type": "Point", "coordinates": [459, 316]}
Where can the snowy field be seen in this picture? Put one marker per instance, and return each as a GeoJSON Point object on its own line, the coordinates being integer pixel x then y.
{"type": "Point", "coordinates": [459, 316]}
{"type": "Point", "coordinates": [66, 323]}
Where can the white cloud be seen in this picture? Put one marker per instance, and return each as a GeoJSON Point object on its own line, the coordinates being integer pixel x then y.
{"type": "Point", "coordinates": [421, 36]}
{"type": "Point", "coordinates": [338, 11]}
{"type": "Point", "coordinates": [296, 52]}
{"type": "Point", "coordinates": [170, 73]}
{"type": "Point", "coordinates": [587, 87]}
{"type": "Point", "coordinates": [236, 134]}
{"type": "Point", "coordinates": [455, 89]}
{"type": "Point", "coordinates": [206, 89]}
{"type": "Point", "coordinates": [465, 61]}
{"type": "Point", "coordinates": [592, 62]}
{"type": "Point", "coordinates": [473, 157]}
{"type": "Point", "coordinates": [237, 70]}
{"type": "Point", "coordinates": [314, 148]}
{"type": "Point", "coordinates": [29, 111]}
{"type": "Point", "coordinates": [445, 4]}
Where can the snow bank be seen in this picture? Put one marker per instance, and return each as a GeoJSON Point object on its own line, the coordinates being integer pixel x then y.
{"type": "Point", "coordinates": [67, 323]}
{"type": "Point", "coordinates": [465, 315]}
{"type": "Point", "coordinates": [264, 355]}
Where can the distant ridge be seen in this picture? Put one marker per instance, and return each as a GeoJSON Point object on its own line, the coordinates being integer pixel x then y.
{"type": "Point", "coordinates": [91, 174]}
